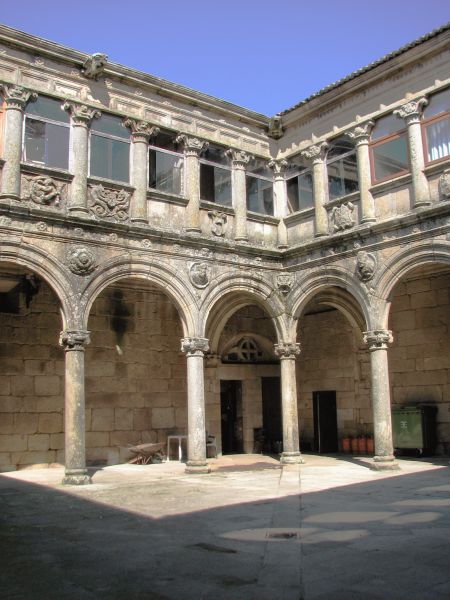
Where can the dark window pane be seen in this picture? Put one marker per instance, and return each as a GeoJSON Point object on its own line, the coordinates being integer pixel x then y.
{"type": "Point", "coordinates": [258, 166]}
{"type": "Point", "coordinates": [207, 182]}
{"type": "Point", "coordinates": [438, 103]}
{"type": "Point", "coordinates": [166, 141]}
{"type": "Point", "coordinates": [438, 139]}
{"type": "Point", "coordinates": [259, 195]}
{"type": "Point", "coordinates": [35, 141]}
{"type": "Point", "coordinates": [339, 146]}
{"type": "Point", "coordinates": [390, 158]}
{"type": "Point", "coordinates": [120, 161]}
{"type": "Point", "coordinates": [112, 125]}
{"type": "Point", "coordinates": [292, 193]}
{"type": "Point", "coordinates": [387, 125]}
{"type": "Point", "coordinates": [216, 154]}
{"type": "Point", "coordinates": [48, 108]}
{"type": "Point", "coordinates": [342, 177]}
{"type": "Point", "coordinates": [166, 171]}
{"type": "Point", "coordinates": [109, 158]}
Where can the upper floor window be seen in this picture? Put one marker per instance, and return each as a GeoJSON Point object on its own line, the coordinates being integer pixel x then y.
{"type": "Point", "coordinates": [389, 149]}
{"type": "Point", "coordinates": [259, 186]}
{"type": "Point", "coordinates": [342, 168]}
{"type": "Point", "coordinates": [299, 186]}
{"type": "Point", "coordinates": [110, 149]}
{"type": "Point", "coordinates": [46, 133]}
{"type": "Point", "coordinates": [166, 164]}
{"type": "Point", "coordinates": [436, 126]}
{"type": "Point", "coordinates": [215, 176]}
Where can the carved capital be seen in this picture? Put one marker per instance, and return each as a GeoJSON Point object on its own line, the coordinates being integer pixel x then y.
{"type": "Point", "coordinates": [193, 146]}
{"type": "Point", "coordinates": [94, 66]}
{"type": "Point", "coordinates": [287, 349]}
{"type": "Point", "coordinates": [81, 113]}
{"type": "Point", "coordinates": [194, 346]}
{"type": "Point", "coordinates": [17, 96]}
{"type": "Point", "coordinates": [74, 339]}
{"type": "Point", "coordinates": [378, 339]}
{"type": "Point", "coordinates": [316, 153]}
{"type": "Point", "coordinates": [411, 111]}
{"type": "Point", "coordinates": [239, 158]}
{"type": "Point", "coordinates": [361, 133]}
{"type": "Point", "coordinates": [141, 130]}
{"type": "Point", "coordinates": [279, 167]}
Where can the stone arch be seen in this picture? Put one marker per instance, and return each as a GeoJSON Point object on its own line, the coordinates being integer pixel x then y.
{"type": "Point", "coordinates": [52, 272]}
{"type": "Point", "coordinates": [160, 275]}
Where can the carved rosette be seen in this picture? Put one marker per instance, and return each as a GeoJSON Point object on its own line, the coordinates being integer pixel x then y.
{"type": "Point", "coordinates": [199, 274]}
{"type": "Point", "coordinates": [279, 168]}
{"type": "Point", "coordinates": [444, 184]}
{"type": "Point", "coordinates": [366, 264]}
{"type": "Point", "coordinates": [411, 111]}
{"type": "Point", "coordinates": [194, 346]}
{"type": "Point", "coordinates": [342, 217]}
{"type": "Point", "coordinates": [239, 158]}
{"type": "Point", "coordinates": [193, 146]}
{"type": "Point", "coordinates": [378, 339]}
{"type": "Point", "coordinates": [81, 260]}
{"type": "Point", "coordinates": [109, 204]}
{"type": "Point", "coordinates": [285, 282]}
{"type": "Point", "coordinates": [316, 153]}
{"type": "Point", "coordinates": [361, 133]}
{"type": "Point", "coordinates": [141, 131]}
{"type": "Point", "coordinates": [74, 339]}
{"type": "Point", "coordinates": [287, 349]}
{"type": "Point", "coordinates": [81, 113]}
{"type": "Point", "coordinates": [17, 96]}
{"type": "Point", "coordinates": [94, 66]}
{"type": "Point", "coordinates": [42, 190]}
{"type": "Point", "coordinates": [218, 222]}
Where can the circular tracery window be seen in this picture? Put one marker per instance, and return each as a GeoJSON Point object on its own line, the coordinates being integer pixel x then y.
{"type": "Point", "coordinates": [246, 350]}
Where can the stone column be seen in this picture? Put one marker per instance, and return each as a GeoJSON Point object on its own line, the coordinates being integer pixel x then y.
{"type": "Point", "coordinates": [193, 147]}
{"type": "Point", "coordinates": [82, 117]}
{"type": "Point", "coordinates": [239, 160]}
{"type": "Point", "coordinates": [16, 99]}
{"type": "Point", "coordinates": [411, 112]}
{"type": "Point", "coordinates": [317, 154]}
{"type": "Point", "coordinates": [288, 351]}
{"type": "Point", "coordinates": [195, 349]}
{"type": "Point", "coordinates": [141, 132]}
{"type": "Point", "coordinates": [361, 137]}
{"type": "Point", "coordinates": [280, 198]}
{"type": "Point", "coordinates": [73, 342]}
{"type": "Point", "coordinates": [378, 341]}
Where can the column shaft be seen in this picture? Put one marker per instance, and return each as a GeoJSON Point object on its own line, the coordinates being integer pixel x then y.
{"type": "Point", "coordinates": [240, 203]}
{"type": "Point", "coordinates": [78, 187]}
{"type": "Point", "coordinates": [317, 154]}
{"type": "Point", "coordinates": [139, 180]}
{"type": "Point", "coordinates": [361, 136]}
{"type": "Point", "coordinates": [280, 199]}
{"type": "Point", "coordinates": [193, 192]}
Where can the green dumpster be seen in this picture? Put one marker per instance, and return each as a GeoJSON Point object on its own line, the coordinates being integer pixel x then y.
{"type": "Point", "coordinates": [414, 428]}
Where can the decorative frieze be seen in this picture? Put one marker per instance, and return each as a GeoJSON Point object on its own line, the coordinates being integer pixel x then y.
{"type": "Point", "coordinates": [74, 339]}
{"type": "Point", "coordinates": [199, 274]}
{"type": "Point", "coordinates": [366, 264]}
{"type": "Point", "coordinates": [218, 222]}
{"type": "Point", "coordinates": [42, 190]}
{"type": "Point", "coordinates": [194, 346]}
{"type": "Point", "coordinates": [287, 349]}
{"type": "Point", "coordinates": [342, 217]}
{"type": "Point", "coordinates": [378, 339]}
{"type": "Point", "coordinates": [94, 66]}
{"type": "Point", "coordinates": [108, 203]}
{"type": "Point", "coordinates": [81, 260]}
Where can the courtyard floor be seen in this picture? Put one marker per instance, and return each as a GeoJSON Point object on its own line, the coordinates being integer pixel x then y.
{"type": "Point", "coordinates": [330, 528]}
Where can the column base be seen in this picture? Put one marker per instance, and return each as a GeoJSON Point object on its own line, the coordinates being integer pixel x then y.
{"type": "Point", "coordinates": [78, 211]}
{"type": "Point", "coordinates": [76, 477]}
{"type": "Point", "coordinates": [291, 458]}
{"type": "Point", "coordinates": [8, 197]}
{"type": "Point", "coordinates": [366, 220]}
{"type": "Point", "coordinates": [384, 463]}
{"type": "Point", "coordinates": [318, 235]}
{"type": "Point", "coordinates": [283, 246]}
{"type": "Point", "coordinates": [139, 221]}
{"type": "Point", "coordinates": [241, 239]}
{"type": "Point", "coordinates": [197, 467]}
{"type": "Point", "coordinates": [196, 230]}
{"type": "Point", "coordinates": [422, 204]}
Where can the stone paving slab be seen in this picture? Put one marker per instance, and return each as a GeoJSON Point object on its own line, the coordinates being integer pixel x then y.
{"type": "Point", "coordinates": [330, 528]}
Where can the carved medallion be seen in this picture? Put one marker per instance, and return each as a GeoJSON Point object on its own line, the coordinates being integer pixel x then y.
{"type": "Point", "coordinates": [342, 217]}
{"type": "Point", "coordinates": [444, 183]}
{"type": "Point", "coordinates": [109, 204]}
{"type": "Point", "coordinates": [81, 260]}
{"type": "Point", "coordinates": [42, 190]}
{"type": "Point", "coordinates": [218, 222]}
{"type": "Point", "coordinates": [365, 265]}
{"type": "Point", "coordinates": [199, 274]}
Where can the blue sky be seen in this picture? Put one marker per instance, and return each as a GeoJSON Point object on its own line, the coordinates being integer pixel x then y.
{"type": "Point", "coordinates": [265, 55]}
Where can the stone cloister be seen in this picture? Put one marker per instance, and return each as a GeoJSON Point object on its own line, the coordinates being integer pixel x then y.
{"type": "Point", "coordinates": [126, 307]}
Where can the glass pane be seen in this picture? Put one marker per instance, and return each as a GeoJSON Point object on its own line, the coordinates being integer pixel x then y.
{"type": "Point", "coordinates": [340, 145]}
{"type": "Point", "coordinates": [259, 195]}
{"type": "Point", "coordinates": [57, 146]}
{"type": "Point", "coordinates": [48, 108]}
{"type": "Point", "coordinates": [120, 161]}
{"type": "Point", "coordinates": [207, 182]}
{"type": "Point", "coordinates": [342, 177]}
{"type": "Point", "coordinates": [438, 139]}
{"type": "Point", "coordinates": [165, 140]}
{"type": "Point", "coordinates": [258, 166]}
{"type": "Point", "coordinates": [292, 193]}
{"type": "Point", "coordinates": [34, 141]}
{"type": "Point", "coordinates": [222, 186]}
{"type": "Point", "coordinates": [166, 172]}
{"type": "Point", "coordinates": [305, 190]}
{"type": "Point", "coordinates": [112, 125]}
{"type": "Point", "coordinates": [216, 154]}
{"type": "Point", "coordinates": [390, 158]}
{"type": "Point", "coordinates": [109, 158]}
{"type": "Point", "coordinates": [438, 103]}
{"type": "Point", "coordinates": [387, 125]}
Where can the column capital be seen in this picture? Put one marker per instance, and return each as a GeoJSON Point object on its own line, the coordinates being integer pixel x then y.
{"type": "Point", "coordinates": [193, 146]}
{"type": "Point", "coordinates": [74, 339]}
{"type": "Point", "coordinates": [279, 168]}
{"type": "Point", "coordinates": [287, 349]}
{"type": "Point", "coordinates": [17, 96]}
{"type": "Point", "coordinates": [411, 112]}
{"type": "Point", "coordinates": [361, 133]}
{"type": "Point", "coordinates": [194, 346]}
{"type": "Point", "coordinates": [378, 339]}
{"type": "Point", "coordinates": [81, 114]}
{"type": "Point", "coordinates": [141, 131]}
{"type": "Point", "coordinates": [316, 153]}
{"type": "Point", "coordinates": [239, 158]}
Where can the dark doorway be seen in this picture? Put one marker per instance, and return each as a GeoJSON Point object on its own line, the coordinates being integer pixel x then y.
{"type": "Point", "coordinates": [325, 422]}
{"type": "Point", "coordinates": [231, 416]}
{"type": "Point", "coordinates": [272, 423]}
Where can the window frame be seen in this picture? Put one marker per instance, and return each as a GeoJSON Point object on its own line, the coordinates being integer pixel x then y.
{"type": "Point", "coordinates": [296, 175]}
{"type": "Point", "coordinates": [172, 153]}
{"type": "Point", "coordinates": [110, 136]}
{"type": "Point", "coordinates": [264, 178]}
{"type": "Point", "coordinates": [379, 142]}
{"type": "Point", "coordinates": [335, 159]}
{"type": "Point", "coordinates": [225, 167]}
{"type": "Point", "coordinates": [424, 124]}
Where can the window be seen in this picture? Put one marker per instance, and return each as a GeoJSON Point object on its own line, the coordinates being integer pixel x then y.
{"type": "Point", "coordinates": [246, 350]}
{"type": "Point", "coordinates": [436, 127]}
{"type": "Point", "coordinates": [389, 149]}
{"type": "Point", "coordinates": [215, 176]}
{"type": "Point", "coordinates": [110, 149]}
{"type": "Point", "coordinates": [165, 164]}
{"type": "Point", "coordinates": [342, 168]}
{"type": "Point", "coordinates": [259, 185]}
{"type": "Point", "coordinates": [47, 133]}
